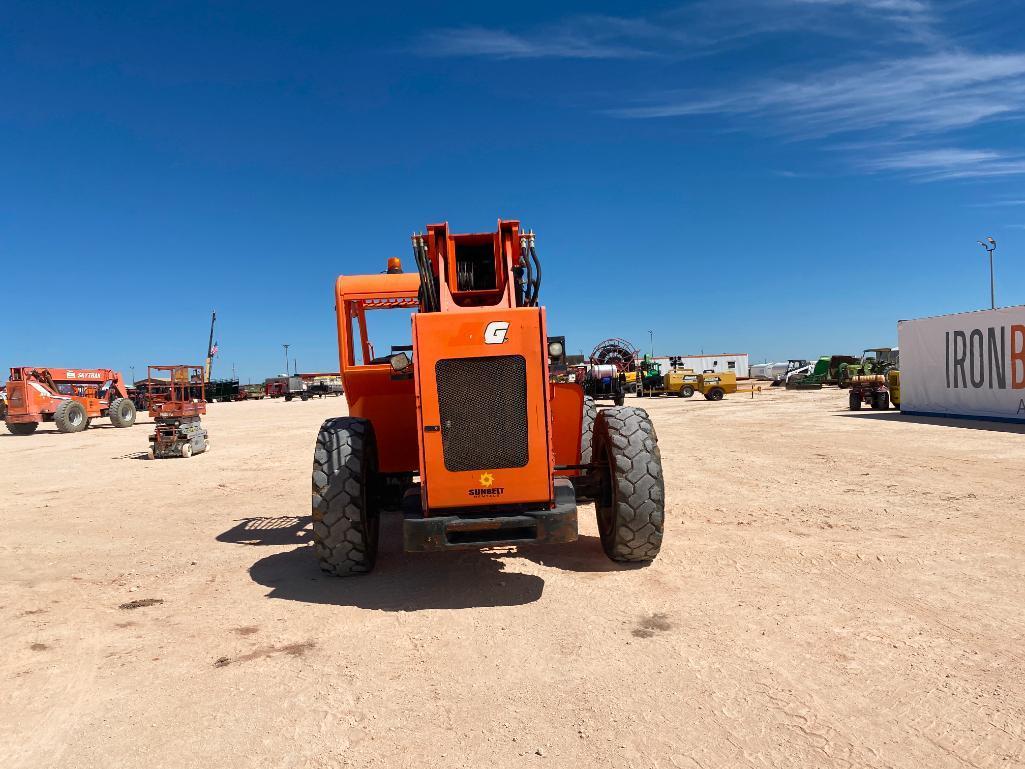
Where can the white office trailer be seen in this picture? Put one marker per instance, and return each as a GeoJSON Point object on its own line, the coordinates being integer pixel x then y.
{"type": "Point", "coordinates": [971, 364]}
{"type": "Point", "coordinates": [732, 361]}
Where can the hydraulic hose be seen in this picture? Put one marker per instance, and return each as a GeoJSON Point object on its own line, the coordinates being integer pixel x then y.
{"type": "Point", "coordinates": [428, 292]}
{"type": "Point", "coordinates": [529, 278]}
{"type": "Point", "coordinates": [537, 265]}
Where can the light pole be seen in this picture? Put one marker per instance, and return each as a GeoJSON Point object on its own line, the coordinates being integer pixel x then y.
{"type": "Point", "coordinates": [133, 375]}
{"type": "Point", "coordinates": [651, 336]}
{"type": "Point", "coordinates": [286, 357]}
{"type": "Point", "coordinates": [990, 245]}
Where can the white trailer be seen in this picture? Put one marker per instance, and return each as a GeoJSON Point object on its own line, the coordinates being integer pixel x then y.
{"type": "Point", "coordinates": [737, 362]}
{"type": "Point", "coordinates": [970, 364]}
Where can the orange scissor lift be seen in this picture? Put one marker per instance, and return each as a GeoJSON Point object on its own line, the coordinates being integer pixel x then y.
{"type": "Point", "coordinates": [463, 430]}
{"type": "Point", "coordinates": [176, 408]}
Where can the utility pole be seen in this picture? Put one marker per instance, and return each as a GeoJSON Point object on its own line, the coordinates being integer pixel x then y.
{"type": "Point", "coordinates": [286, 357]}
{"type": "Point", "coordinates": [990, 245]}
{"type": "Point", "coordinates": [210, 351]}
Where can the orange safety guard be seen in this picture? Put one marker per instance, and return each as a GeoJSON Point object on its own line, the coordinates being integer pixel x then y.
{"type": "Point", "coordinates": [374, 391]}
{"type": "Point", "coordinates": [442, 335]}
{"type": "Point", "coordinates": [567, 405]}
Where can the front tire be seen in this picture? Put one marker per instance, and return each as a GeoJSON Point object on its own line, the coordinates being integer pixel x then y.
{"type": "Point", "coordinates": [346, 516]}
{"type": "Point", "coordinates": [70, 417]}
{"type": "Point", "coordinates": [121, 412]}
{"type": "Point", "coordinates": [687, 391]}
{"type": "Point", "coordinates": [715, 394]}
{"type": "Point", "coordinates": [21, 428]}
{"type": "Point", "coordinates": [854, 401]}
{"type": "Point", "coordinates": [631, 504]}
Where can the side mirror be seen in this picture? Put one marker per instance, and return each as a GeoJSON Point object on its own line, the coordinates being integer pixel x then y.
{"type": "Point", "coordinates": [399, 361]}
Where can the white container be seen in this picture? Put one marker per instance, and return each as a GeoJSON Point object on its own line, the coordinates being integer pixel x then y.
{"type": "Point", "coordinates": [970, 364]}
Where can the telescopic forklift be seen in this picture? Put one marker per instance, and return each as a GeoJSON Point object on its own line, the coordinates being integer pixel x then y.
{"type": "Point", "coordinates": [463, 429]}
{"type": "Point", "coordinates": [70, 398]}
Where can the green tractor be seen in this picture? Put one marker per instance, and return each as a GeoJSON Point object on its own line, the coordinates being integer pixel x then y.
{"type": "Point", "coordinates": [874, 360]}
{"type": "Point", "coordinates": [649, 378]}
{"type": "Point", "coordinates": [826, 371]}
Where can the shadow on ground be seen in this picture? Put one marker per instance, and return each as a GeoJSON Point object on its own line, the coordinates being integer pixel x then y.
{"type": "Point", "coordinates": [964, 424]}
{"type": "Point", "coordinates": [584, 555]}
{"type": "Point", "coordinates": [47, 428]}
{"type": "Point", "coordinates": [282, 530]}
{"type": "Point", "coordinates": [459, 579]}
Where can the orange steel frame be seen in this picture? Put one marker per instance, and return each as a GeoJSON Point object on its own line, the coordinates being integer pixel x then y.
{"type": "Point", "coordinates": [34, 392]}
{"type": "Point", "coordinates": [401, 407]}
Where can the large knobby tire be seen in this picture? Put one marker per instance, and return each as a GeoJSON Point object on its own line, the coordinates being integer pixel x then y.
{"type": "Point", "coordinates": [854, 401]}
{"type": "Point", "coordinates": [70, 417]}
{"type": "Point", "coordinates": [881, 401]}
{"type": "Point", "coordinates": [21, 428]}
{"type": "Point", "coordinates": [631, 504]}
{"type": "Point", "coordinates": [346, 516]}
{"type": "Point", "coordinates": [121, 412]}
{"type": "Point", "coordinates": [587, 429]}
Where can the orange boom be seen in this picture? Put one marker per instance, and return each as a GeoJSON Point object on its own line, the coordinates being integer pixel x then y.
{"type": "Point", "coordinates": [461, 427]}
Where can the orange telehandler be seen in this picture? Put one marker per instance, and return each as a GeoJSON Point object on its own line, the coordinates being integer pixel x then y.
{"type": "Point", "coordinates": [462, 430]}
{"type": "Point", "coordinates": [70, 398]}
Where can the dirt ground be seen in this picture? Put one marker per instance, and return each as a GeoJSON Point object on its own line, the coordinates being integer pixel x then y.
{"type": "Point", "coordinates": [834, 590]}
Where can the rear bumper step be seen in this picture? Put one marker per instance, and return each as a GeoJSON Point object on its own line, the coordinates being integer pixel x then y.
{"type": "Point", "coordinates": [453, 532]}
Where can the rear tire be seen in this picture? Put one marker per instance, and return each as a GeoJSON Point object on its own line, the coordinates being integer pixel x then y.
{"type": "Point", "coordinates": [854, 401]}
{"type": "Point", "coordinates": [587, 429]}
{"type": "Point", "coordinates": [881, 401]}
{"type": "Point", "coordinates": [121, 412]}
{"type": "Point", "coordinates": [21, 428]}
{"type": "Point", "coordinates": [70, 417]}
{"type": "Point", "coordinates": [631, 504]}
{"type": "Point", "coordinates": [687, 391]}
{"type": "Point", "coordinates": [346, 516]}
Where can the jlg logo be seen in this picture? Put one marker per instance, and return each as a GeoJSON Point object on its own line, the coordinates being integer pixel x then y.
{"type": "Point", "coordinates": [496, 332]}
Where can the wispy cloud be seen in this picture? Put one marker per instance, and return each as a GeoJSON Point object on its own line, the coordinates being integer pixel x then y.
{"type": "Point", "coordinates": [922, 95]}
{"type": "Point", "coordinates": [694, 29]}
{"type": "Point", "coordinates": [950, 163]}
{"type": "Point", "coordinates": [905, 93]}
{"type": "Point", "coordinates": [600, 38]}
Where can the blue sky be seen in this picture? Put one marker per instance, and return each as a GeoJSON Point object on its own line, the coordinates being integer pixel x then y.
{"type": "Point", "coordinates": [782, 177]}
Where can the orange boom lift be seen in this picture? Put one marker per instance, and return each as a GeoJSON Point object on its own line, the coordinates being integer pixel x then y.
{"type": "Point", "coordinates": [462, 429]}
{"type": "Point", "coordinates": [70, 398]}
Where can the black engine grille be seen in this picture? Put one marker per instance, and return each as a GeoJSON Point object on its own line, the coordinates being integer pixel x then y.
{"type": "Point", "coordinates": [483, 404]}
